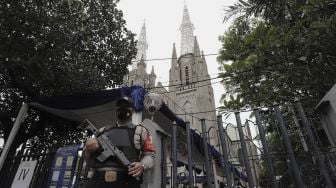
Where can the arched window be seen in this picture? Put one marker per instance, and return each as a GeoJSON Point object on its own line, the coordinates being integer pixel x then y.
{"type": "Point", "coordinates": [187, 75]}
{"type": "Point", "coordinates": [132, 83]}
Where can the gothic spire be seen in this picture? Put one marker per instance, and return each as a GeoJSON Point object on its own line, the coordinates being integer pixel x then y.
{"type": "Point", "coordinates": [196, 51]}
{"type": "Point", "coordinates": [203, 57]}
{"type": "Point", "coordinates": [187, 33]}
{"type": "Point", "coordinates": [203, 66]}
{"type": "Point", "coordinates": [141, 62]}
{"type": "Point", "coordinates": [152, 71]}
{"type": "Point", "coordinates": [141, 47]}
{"type": "Point", "coordinates": [152, 78]}
{"type": "Point", "coordinates": [174, 57]}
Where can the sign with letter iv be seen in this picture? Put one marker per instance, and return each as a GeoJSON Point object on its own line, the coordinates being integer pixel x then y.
{"type": "Point", "coordinates": [24, 174]}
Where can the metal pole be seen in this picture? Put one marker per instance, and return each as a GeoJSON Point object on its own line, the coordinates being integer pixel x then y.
{"type": "Point", "coordinates": [164, 137]}
{"type": "Point", "coordinates": [226, 169]}
{"type": "Point", "coordinates": [163, 162]}
{"type": "Point", "coordinates": [297, 124]}
{"type": "Point", "coordinates": [19, 119]}
{"type": "Point", "coordinates": [191, 176]}
{"type": "Point", "coordinates": [212, 175]}
{"type": "Point", "coordinates": [79, 170]}
{"type": "Point", "coordinates": [206, 154]}
{"type": "Point", "coordinates": [313, 142]}
{"type": "Point", "coordinates": [295, 168]}
{"type": "Point", "coordinates": [174, 156]}
{"type": "Point", "coordinates": [244, 149]}
{"type": "Point", "coordinates": [265, 147]}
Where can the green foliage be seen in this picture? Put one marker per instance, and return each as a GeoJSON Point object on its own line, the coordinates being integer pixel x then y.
{"type": "Point", "coordinates": [275, 51]}
{"type": "Point", "coordinates": [59, 47]}
{"type": "Point", "coordinates": [268, 57]}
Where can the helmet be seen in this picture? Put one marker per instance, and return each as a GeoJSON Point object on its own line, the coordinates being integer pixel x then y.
{"type": "Point", "coordinates": [125, 102]}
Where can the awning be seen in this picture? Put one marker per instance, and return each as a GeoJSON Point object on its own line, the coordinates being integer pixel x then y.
{"type": "Point", "coordinates": [100, 108]}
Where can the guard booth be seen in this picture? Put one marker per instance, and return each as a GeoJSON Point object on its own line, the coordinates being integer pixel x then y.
{"type": "Point", "coordinates": [66, 167]}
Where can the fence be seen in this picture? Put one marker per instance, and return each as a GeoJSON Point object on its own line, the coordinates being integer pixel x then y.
{"type": "Point", "coordinates": [317, 165]}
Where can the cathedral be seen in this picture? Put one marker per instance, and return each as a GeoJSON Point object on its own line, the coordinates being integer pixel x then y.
{"type": "Point", "coordinates": [190, 94]}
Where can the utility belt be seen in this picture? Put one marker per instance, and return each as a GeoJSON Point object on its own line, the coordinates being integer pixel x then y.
{"type": "Point", "coordinates": [111, 176]}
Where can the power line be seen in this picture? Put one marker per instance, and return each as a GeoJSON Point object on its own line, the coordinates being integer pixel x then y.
{"type": "Point", "coordinates": [202, 112]}
{"type": "Point", "coordinates": [172, 91]}
{"type": "Point", "coordinates": [223, 75]}
{"type": "Point", "coordinates": [198, 76]}
{"type": "Point", "coordinates": [170, 58]}
{"type": "Point", "coordinates": [184, 83]}
{"type": "Point", "coordinates": [186, 113]}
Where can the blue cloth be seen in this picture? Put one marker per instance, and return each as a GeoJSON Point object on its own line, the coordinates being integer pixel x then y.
{"type": "Point", "coordinates": [137, 94]}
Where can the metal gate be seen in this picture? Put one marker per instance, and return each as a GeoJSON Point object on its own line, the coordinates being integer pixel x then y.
{"type": "Point", "coordinates": [40, 175]}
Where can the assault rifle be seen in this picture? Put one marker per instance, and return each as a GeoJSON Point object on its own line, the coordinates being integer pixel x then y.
{"type": "Point", "coordinates": [108, 148]}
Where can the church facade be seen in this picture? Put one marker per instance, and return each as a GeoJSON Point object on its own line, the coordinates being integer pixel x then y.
{"type": "Point", "coordinates": [190, 94]}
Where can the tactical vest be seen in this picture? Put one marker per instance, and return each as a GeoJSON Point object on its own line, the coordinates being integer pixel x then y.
{"type": "Point", "coordinates": [123, 138]}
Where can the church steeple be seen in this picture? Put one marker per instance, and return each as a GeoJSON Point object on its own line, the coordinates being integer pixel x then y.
{"type": "Point", "coordinates": [142, 47]}
{"type": "Point", "coordinates": [187, 33]}
{"type": "Point", "coordinates": [196, 51]}
{"type": "Point", "coordinates": [173, 72]}
{"type": "Point", "coordinates": [152, 71]}
{"type": "Point", "coordinates": [174, 56]}
{"type": "Point", "coordinates": [205, 68]}
{"type": "Point", "coordinates": [174, 59]}
{"type": "Point", "coordinates": [152, 78]}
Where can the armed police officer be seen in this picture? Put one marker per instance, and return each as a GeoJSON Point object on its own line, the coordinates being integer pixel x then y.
{"type": "Point", "coordinates": [134, 141]}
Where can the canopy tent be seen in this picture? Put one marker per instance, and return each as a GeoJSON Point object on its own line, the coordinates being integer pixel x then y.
{"type": "Point", "coordinates": [100, 107]}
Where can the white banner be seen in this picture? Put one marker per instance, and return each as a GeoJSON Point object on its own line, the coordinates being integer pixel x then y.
{"type": "Point", "coordinates": [24, 174]}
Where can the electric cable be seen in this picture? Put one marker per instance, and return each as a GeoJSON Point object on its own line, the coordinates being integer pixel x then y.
{"type": "Point", "coordinates": [186, 113]}
{"type": "Point", "coordinates": [170, 58]}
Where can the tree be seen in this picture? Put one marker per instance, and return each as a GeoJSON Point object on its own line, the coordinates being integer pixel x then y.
{"type": "Point", "coordinates": [59, 47]}
{"type": "Point", "coordinates": [276, 51]}
{"type": "Point", "coordinates": [280, 51]}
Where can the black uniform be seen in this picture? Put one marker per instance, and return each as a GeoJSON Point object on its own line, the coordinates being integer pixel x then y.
{"type": "Point", "coordinates": [123, 138]}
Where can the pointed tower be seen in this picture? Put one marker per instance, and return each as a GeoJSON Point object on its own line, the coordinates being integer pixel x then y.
{"type": "Point", "coordinates": [141, 68]}
{"type": "Point", "coordinates": [187, 33]}
{"type": "Point", "coordinates": [204, 68]}
{"type": "Point", "coordinates": [142, 47]}
{"type": "Point", "coordinates": [152, 78]}
{"type": "Point", "coordinates": [173, 72]}
{"type": "Point", "coordinates": [189, 86]}
{"type": "Point", "coordinates": [196, 50]}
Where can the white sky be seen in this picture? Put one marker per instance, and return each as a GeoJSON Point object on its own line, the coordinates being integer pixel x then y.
{"type": "Point", "coordinates": [163, 19]}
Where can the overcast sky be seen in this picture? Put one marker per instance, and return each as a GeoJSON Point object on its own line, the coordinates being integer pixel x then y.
{"type": "Point", "coordinates": [163, 19]}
